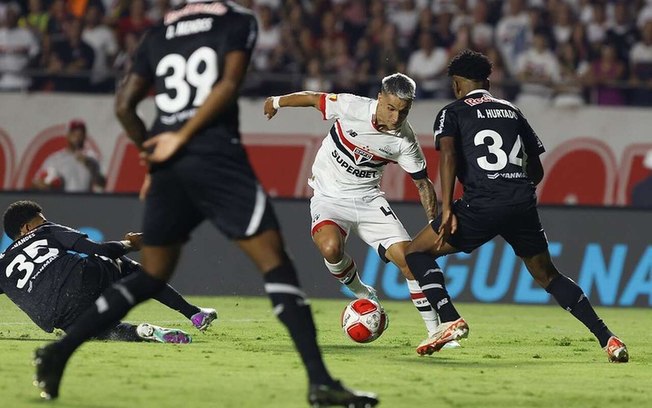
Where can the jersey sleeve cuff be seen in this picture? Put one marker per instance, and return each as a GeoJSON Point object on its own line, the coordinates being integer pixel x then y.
{"type": "Point", "coordinates": [438, 140]}
{"type": "Point", "coordinates": [419, 175]}
{"type": "Point", "coordinates": [322, 105]}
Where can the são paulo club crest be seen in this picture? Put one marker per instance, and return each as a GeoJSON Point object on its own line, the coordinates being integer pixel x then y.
{"type": "Point", "coordinates": [361, 156]}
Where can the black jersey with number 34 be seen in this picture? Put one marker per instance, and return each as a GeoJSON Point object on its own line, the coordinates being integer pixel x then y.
{"type": "Point", "coordinates": [35, 269]}
{"type": "Point", "coordinates": [490, 137]}
{"type": "Point", "coordinates": [184, 57]}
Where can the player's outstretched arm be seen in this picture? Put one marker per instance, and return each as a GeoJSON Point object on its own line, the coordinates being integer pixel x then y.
{"type": "Point", "coordinates": [79, 242]}
{"type": "Point", "coordinates": [109, 249]}
{"type": "Point", "coordinates": [297, 100]}
{"type": "Point", "coordinates": [135, 240]}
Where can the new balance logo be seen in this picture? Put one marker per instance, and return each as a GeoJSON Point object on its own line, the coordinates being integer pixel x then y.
{"type": "Point", "coordinates": [441, 303]}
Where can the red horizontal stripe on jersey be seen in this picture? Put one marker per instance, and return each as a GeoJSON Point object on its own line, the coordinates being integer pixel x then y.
{"type": "Point", "coordinates": [352, 147]}
{"type": "Point", "coordinates": [418, 295]}
{"type": "Point", "coordinates": [326, 222]}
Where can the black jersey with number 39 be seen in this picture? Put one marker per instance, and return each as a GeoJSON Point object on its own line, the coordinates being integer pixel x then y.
{"type": "Point", "coordinates": [35, 269]}
{"type": "Point", "coordinates": [490, 137]}
{"type": "Point", "coordinates": [184, 57]}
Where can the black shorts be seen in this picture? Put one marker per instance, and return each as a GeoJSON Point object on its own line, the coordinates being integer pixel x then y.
{"type": "Point", "coordinates": [193, 187]}
{"type": "Point", "coordinates": [83, 288]}
{"type": "Point", "coordinates": [518, 224]}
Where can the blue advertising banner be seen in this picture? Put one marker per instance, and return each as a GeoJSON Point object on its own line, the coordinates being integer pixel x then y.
{"type": "Point", "coordinates": [607, 251]}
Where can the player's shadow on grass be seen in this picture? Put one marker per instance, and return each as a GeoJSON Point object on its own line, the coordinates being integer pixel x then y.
{"type": "Point", "coordinates": [343, 347]}
{"type": "Point", "coordinates": [481, 362]}
{"type": "Point", "coordinates": [67, 403]}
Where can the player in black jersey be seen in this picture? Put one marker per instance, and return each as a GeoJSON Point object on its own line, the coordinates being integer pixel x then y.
{"type": "Point", "coordinates": [488, 144]}
{"type": "Point", "coordinates": [47, 277]}
{"type": "Point", "coordinates": [196, 60]}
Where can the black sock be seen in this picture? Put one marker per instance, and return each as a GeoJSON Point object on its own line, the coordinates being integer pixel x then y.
{"type": "Point", "coordinates": [109, 308]}
{"type": "Point", "coordinates": [292, 308]}
{"type": "Point", "coordinates": [571, 297]}
{"type": "Point", "coordinates": [172, 299]}
{"type": "Point", "coordinates": [168, 296]}
{"type": "Point", "coordinates": [120, 332]}
{"type": "Point", "coordinates": [425, 269]}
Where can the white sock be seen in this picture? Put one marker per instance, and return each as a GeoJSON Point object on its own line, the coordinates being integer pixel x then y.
{"type": "Point", "coordinates": [346, 271]}
{"type": "Point", "coordinates": [422, 304]}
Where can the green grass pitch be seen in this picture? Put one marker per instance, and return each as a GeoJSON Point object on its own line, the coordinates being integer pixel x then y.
{"type": "Point", "coordinates": [516, 356]}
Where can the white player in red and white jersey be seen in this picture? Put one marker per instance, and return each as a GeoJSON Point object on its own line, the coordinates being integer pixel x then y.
{"type": "Point", "coordinates": [366, 136]}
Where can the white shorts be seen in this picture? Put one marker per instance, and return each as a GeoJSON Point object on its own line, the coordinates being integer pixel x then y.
{"type": "Point", "coordinates": [372, 219]}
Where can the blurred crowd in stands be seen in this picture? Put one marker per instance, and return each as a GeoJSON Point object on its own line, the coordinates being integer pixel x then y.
{"type": "Point", "coordinates": [564, 52]}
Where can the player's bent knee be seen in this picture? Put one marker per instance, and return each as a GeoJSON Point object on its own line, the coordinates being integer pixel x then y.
{"type": "Point", "coordinates": [160, 272]}
{"type": "Point", "coordinates": [159, 262]}
{"type": "Point", "coordinates": [265, 250]}
{"type": "Point", "coordinates": [396, 254]}
{"type": "Point", "coordinates": [333, 253]}
{"type": "Point", "coordinates": [410, 249]}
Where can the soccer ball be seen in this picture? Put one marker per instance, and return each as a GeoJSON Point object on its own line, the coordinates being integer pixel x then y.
{"type": "Point", "coordinates": [363, 320]}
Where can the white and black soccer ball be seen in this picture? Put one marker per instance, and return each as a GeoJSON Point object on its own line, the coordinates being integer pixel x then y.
{"type": "Point", "coordinates": [363, 320]}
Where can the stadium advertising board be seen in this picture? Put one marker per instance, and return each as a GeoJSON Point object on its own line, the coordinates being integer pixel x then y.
{"type": "Point", "coordinates": [607, 251]}
{"type": "Point", "coordinates": [591, 158]}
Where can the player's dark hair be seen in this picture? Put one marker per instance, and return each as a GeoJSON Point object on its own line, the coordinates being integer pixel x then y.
{"type": "Point", "coordinates": [470, 65]}
{"type": "Point", "coordinates": [19, 214]}
{"type": "Point", "coordinates": [400, 85]}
